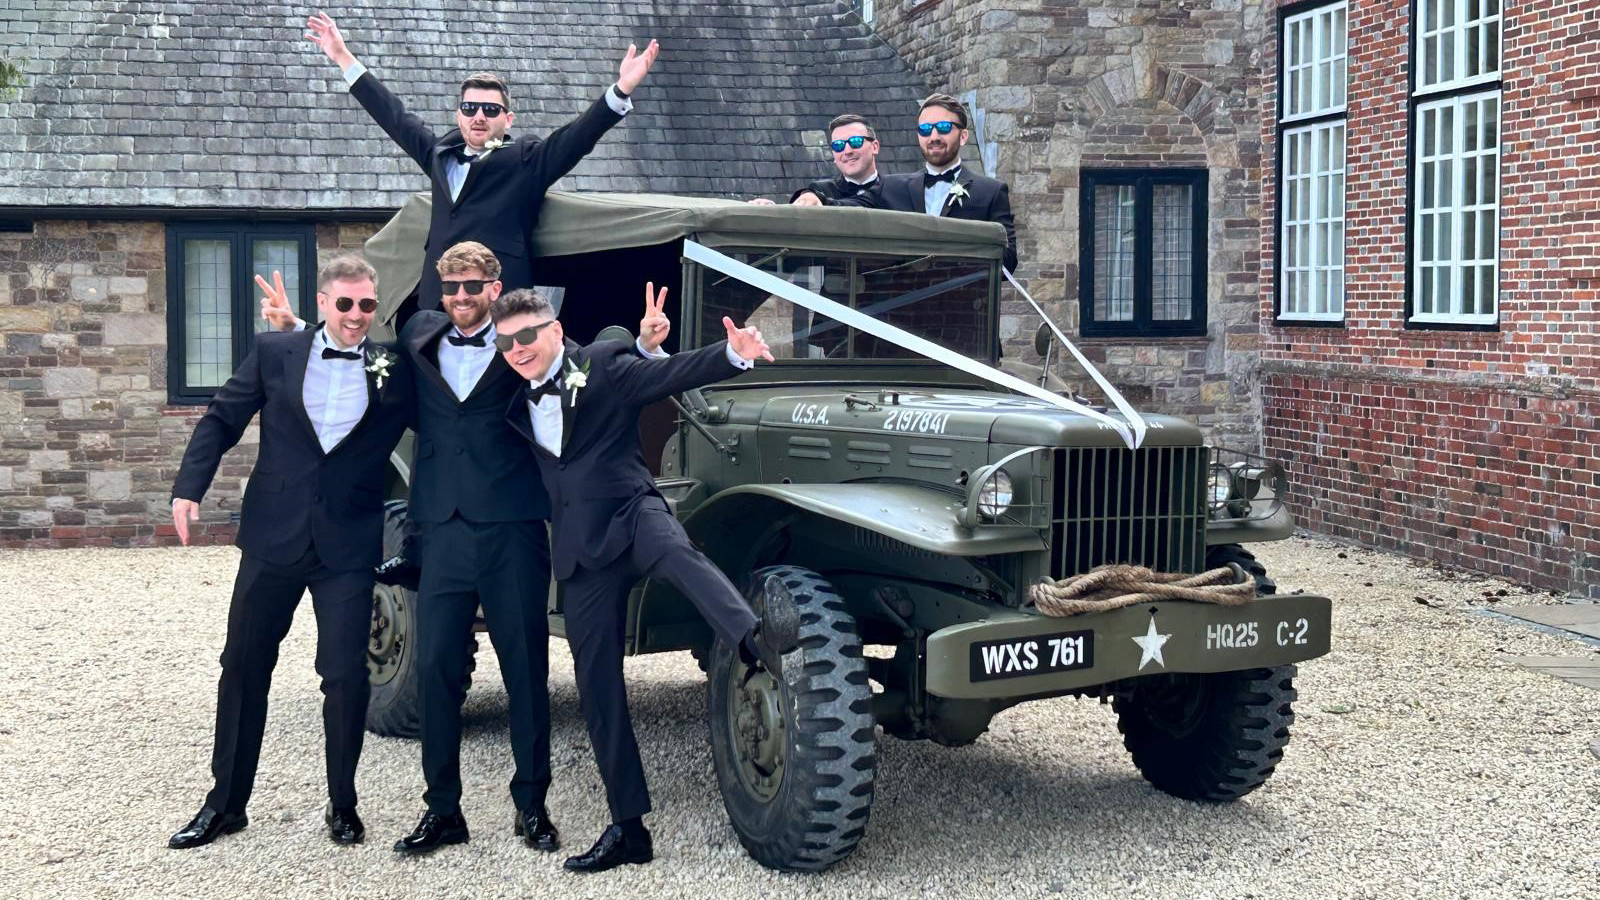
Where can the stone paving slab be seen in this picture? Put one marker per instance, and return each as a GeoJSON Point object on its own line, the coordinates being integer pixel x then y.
{"type": "Point", "coordinates": [1580, 670]}
{"type": "Point", "coordinates": [1583, 618]}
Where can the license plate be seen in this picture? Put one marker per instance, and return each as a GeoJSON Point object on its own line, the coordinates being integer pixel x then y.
{"type": "Point", "coordinates": [1037, 655]}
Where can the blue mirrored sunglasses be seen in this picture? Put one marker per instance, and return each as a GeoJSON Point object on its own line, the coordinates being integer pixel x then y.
{"type": "Point", "coordinates": [927, 128]}
{"type": "Point", "coordinates": [855, 141]}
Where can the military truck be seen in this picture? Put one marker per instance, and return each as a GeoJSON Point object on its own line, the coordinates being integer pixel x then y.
{"type": "Point", "coordinates": [906, 507]}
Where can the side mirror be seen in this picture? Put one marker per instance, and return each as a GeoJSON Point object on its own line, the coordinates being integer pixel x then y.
{"type": "Point", "coordinates": [1043, 339]}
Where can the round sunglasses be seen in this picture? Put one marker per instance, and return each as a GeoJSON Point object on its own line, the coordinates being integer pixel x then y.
{"type": "Point", "coordinates": [927, 128]}
{"type": "Point", "coordinates": [470, 108]}
{"type": "Point", "coordinates": [367, 304]}
{"type": "Point", "coordinates": [855, 141]}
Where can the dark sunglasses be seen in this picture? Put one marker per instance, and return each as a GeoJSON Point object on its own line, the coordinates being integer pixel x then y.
{"type": "Point", "coordinates": [469, 108]}
{"type": "Point", "coordinates": [471, 287]}
{"type": "Point", "coordinates": [855, 141]}
{"type": "Point", "coordinates": [927, 128]}
{"type": "Point", "coordinates": [367, 304]}
{"type": "Point", "coordinates": [526, 336]}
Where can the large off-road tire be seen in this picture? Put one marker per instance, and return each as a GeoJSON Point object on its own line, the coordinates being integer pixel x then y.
{"type": "Point", "coordinates": [1215, 736]}
{"type": "Point", "coordinates": [796, 760]}
{"type": "Point", "coordinates": [395, 708]}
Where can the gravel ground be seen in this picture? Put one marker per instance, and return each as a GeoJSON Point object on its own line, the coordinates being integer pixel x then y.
{"type": "Point", "coordinates": [1423, 765]}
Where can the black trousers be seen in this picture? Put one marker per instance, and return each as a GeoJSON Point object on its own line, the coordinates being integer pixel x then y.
{"type": "Point", "coordinates": [596, 604]}
{"type": "Point", "coordinates": [264, 600]}
{"type": "Point", "coordinates": [505, 567]}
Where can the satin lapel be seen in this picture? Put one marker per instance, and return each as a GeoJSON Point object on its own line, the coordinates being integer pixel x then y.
{"type": "Point", "coordinates": [430, 364]}
{"type": "Point", "coordinates": [949, 207]}
{"type": "Point", "coordinates": [295, 371]}
{"type": "Point", "coordinates": [519, 418]}
{"type": "Point", "coordinates": [569, 399]}
{"type": "Point", "coordinates": [441, 155]}
{"type": "Point", "coordinates": [498, 368]}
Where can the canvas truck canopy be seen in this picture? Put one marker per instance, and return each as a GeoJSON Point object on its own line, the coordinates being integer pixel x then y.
{"type": "Point", "coordinates": [572, 223]}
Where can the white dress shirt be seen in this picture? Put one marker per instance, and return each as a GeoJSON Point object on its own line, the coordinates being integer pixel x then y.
{"type": "Point", "coordinates": [335, 392]}
{"type": "Point", "coordinates": [455, 168]}
{"type": "Point", "coordinates": [545, 415]}
{"type": "Point", "coordinates": [463, 366]}
{"type": "Point", "coordinates": [933, 198]}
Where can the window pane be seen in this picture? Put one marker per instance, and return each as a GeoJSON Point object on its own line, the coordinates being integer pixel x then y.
{"type": "Point", "coordinates": [1172, 248]}
{"type": "Point", "coordinates": [791, 330]}
{"type": "Point", "coordinates": [1114, 250]}
{"type": "Point", "coordinates": [943, 300]}
{"type": "Point", "coordinates": [276, 255]}
{"type": "Point", "coordinates": [208, 318]}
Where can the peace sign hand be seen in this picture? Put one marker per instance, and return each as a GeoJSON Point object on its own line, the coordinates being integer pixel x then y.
{"type": "Point", "coordinates": [275, 306]}
{"type": "Point", "coordinates": [747, 341]}
{"type": "Point", "coordinates": [654, 327]}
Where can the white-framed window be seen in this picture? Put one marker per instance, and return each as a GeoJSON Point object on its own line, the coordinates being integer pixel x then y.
{"type": "Point", "coordinates": [1311, 158]}
{"type": "Point", "coordinates": [1456, 230]}
{"type": "Point", "coordinates": [1457, 43]}
{"type": "Point", "coordinates": [1314, 62]}
{"type": "Point", "coordinates": [868, 11]}
{"type": "Point", "coordinates": [1454, 277]}
{"type": "Point", "coordinates": [1312, 240]}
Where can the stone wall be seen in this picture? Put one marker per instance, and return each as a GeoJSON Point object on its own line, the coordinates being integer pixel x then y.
{"type": "Point", "coordinates": [89, 445]}
{"type": "Point", "coordinates": [1062, 86]}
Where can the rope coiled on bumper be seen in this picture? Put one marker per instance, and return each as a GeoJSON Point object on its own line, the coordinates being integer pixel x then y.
{"type": "Point", "coordinates": [1113, 587]}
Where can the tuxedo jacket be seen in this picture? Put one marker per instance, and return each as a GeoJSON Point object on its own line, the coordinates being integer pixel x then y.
{"type": "Point", "coordinates": [500, 201]}
{"type": "Point", "coordinates": [468, 460]}
{"type": "Point", "coordinates": [838, 188]}
{"type": "Point", "coordinates": [298, 495]}
{"type": "Point", "coordinates": [600, 483]}
{"type": "Point", "coordinates": [988, 200]}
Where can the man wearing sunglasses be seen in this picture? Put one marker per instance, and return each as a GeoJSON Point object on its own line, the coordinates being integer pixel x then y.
{"type": "Point", "coordinates": [945, 188]}
{"type": "Point", "coordinates": [486, 187]}
{"type": "Point", "coordinates": [332, 406]}
{"type": "Point", "coordinates": [855, 154]}
{"type": "Point", "coordinates": [578, 409]}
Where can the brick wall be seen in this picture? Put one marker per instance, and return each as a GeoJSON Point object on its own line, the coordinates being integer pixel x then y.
{"type": "Point", "coordinates": [1105, 84]}
{"type": "Point", "coordinates": [88, 443]}
{"type": "Point", "coordinates": [1475, 449]}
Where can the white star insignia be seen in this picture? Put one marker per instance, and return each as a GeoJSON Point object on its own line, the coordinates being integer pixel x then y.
{"type": "Point", "coordinates": [1150, 645]}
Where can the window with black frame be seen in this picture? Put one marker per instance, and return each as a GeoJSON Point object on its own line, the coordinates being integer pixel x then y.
{"type": "Point", "coordinates": [1142, 254]}
{"type": "Point", "coordinates": [213, 306]}
{"type": "Point", "coordinates": [942, 299]}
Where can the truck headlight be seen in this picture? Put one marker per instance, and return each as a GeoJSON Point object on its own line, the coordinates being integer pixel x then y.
{"type": "Point", "coordinates": [994, 498]}
{"type": "Point", "coordinates": [1219, 487]}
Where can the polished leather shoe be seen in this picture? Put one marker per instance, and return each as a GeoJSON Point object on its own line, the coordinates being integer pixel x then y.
{"type": "Point", "coordinates": [777, 633]}
{"type": "Point", "coordinates": [207, 826]}
{"type": "Point", "coordinates": [398, 571]}
{"type": "Point", "coordinates": [536, 829]}
{"type": "Point", "coordinates": [612, 850]}
{"type": "Point", "coordinates": [344, 826]}
{"type": "Point", "coordinates": [433, 832]}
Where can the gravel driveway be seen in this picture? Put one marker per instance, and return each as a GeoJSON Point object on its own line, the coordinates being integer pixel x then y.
{"type": "Point", "coordinates": [1423, 765]}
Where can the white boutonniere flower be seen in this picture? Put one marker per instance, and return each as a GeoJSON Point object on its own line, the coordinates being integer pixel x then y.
{"type": "Point", "coordinates": [575, 378]}
{"type": "Point", "coordinates": [378, 362]}
{"type": "Point", "coordinates": [489, 147]}
{"type": "Point", "coordinates": [958, 193]}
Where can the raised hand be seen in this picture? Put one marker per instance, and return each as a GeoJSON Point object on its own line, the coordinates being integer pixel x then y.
{"type": "Point", "coordinates": [184, 512]}
{"type": "Point", "coordinates": [275, 306]}
{"type": "Point", "coordinates": [636, 65]}
{"type": "Point", "coordinates": [747, 341]}
{"type": "Point", "coordinates": [321, 30]}
{"type": "Point", "coordinates": [654, 327]}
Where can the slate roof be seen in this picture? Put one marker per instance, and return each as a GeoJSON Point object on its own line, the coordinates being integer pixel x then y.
{"type": "Point", "coordinates": [222, 103]}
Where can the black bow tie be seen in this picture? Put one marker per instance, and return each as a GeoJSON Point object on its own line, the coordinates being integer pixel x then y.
{"type": "Point", "coordinates": [330, 353]}
{"type": "Point", "coordinates": [461, 340]}
{"type": "Point", "coordinates": [929, 179]}
{"type": "Point", "coordinates": [548, 387]}
{"type": "Point", "coordinates": [858, 188]}
{"type": "Point", "coordinates": [465, 156]}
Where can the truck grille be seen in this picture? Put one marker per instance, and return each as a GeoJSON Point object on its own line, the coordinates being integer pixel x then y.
{"type": "Point", "coordinates": [1114, 505]}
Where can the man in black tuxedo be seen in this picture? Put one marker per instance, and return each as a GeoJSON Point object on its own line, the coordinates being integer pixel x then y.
{"type": "Point", "coordinates": [578, 409]}
{"type": "Point", "coordinates": [486, 187]}
{"type": "Point", "coordinates": [855, 155]}
{"type": "Point", "coordinates": [945, 188]}
{"type": "Point", "coordinates": [332, 406]}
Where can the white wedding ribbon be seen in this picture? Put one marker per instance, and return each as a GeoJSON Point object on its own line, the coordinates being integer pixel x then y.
{"type": "Point", "coordinates": [853, 318]}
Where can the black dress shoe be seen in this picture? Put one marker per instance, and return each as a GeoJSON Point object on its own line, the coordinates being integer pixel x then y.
{"type": "Point", "coordinates": [612, 850]}
{"type": "Point", "coordinates": [398, 571]}
{"type": "Point", "coordinates": [207, 826]}
{"type": "Point", "coordinates": [433, 832]}
{"type": "Point", "coordinates": [536, 829]}
{"type": "Point", "coordinates": [777, 633]}
{"type": "Point", "coordinates": [344, 826]}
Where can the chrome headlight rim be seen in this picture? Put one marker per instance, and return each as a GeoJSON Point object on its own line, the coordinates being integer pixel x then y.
{"type": "Point", "coordinates": [996, 494]}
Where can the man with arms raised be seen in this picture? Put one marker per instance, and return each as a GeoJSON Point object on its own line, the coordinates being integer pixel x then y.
{"type": "Point", "coordinates": [578, 407]}
{"type": "Point", "coordinates": [486, 187]}
{"type": "Point", "coordinates": [332, 407]}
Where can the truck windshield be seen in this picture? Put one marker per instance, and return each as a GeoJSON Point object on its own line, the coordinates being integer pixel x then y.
{"type": "Point", "coordinates": [942, 299]}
